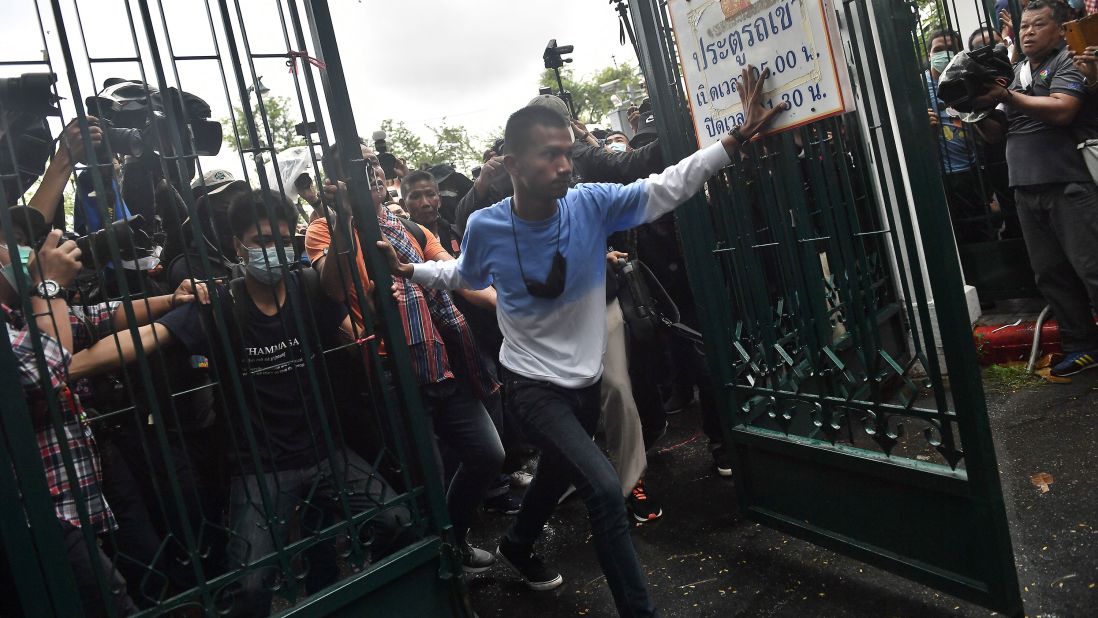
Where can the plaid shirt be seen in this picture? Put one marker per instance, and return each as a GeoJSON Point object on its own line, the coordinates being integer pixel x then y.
{"type": "Point", "coordinates": [76, 437]}
{"type": "Point", "coordinates": [427, 314]}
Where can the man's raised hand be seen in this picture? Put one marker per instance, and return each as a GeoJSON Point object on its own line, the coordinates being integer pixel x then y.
{"type": "Point", "coordinates": [756, 116]}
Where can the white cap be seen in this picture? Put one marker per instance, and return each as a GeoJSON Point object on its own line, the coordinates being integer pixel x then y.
{"type": "Point", "coordinates": [215, 181]}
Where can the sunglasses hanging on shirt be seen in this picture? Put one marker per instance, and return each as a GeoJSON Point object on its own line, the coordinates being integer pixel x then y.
{"type": "Point", "coordinates": [553, 285]}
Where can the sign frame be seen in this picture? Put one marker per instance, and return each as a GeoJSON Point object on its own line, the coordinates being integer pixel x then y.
{"type": "Point", "coordinates": [829, 64]}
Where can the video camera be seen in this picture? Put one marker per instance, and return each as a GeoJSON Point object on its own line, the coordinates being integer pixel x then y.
{"type": "Point", "coordinates": [554, 59]}
{"type": "Point", "coordinates": [970, 75]}
{"type": "Point", "coordinates": [28, 100]}
{"type": "Point", "coordinates": [134, 117]}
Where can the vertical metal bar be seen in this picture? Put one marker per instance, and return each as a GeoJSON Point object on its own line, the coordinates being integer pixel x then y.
{"type": "Point", "coordinates": [947, 284]}
{"type": "Point", "coordinates": [367, 229]}
{"type": "Point", "coordinates": [53, 582]}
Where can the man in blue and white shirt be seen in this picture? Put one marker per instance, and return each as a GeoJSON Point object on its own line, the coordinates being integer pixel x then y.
{"type": "Point", "coordinates": [544, 251]}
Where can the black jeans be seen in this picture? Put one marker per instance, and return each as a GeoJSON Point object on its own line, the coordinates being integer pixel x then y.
{"type": "Point", "coordinates": [85, 560]}
{"type": "Point", "coordinates": [1060, 225]}
{"type": "Point", "coordinates": [462, 423]}
{"type": "Point", "coordinates": [560, 422]}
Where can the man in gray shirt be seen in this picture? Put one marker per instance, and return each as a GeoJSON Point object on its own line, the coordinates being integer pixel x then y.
{"type": "Point", "coordinates": [1049, 110]}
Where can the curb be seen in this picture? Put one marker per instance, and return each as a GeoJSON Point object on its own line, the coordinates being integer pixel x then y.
{"type": "Point", "coordinates": [998, 344]}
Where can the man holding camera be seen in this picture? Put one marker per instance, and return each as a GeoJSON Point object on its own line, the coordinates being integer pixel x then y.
{"type": "Point", "coordinates": [1044, 114]}
{"type": "Point", "coordinates": [544, 250]}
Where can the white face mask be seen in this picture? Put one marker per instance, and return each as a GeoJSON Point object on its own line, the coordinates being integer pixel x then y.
{"type": "Point", "coordinates": [264, 266]}
{"type": "Point", "coordinates": [616, 147]}
{"type": "Point", "coordinates": [9, 270]}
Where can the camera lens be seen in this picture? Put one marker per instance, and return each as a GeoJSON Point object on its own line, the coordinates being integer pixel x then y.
{"type": "Point", "coordinates": [125, 141]}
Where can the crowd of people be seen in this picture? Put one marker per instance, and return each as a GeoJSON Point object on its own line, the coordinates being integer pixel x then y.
{"type": "Point", "coordinates": [221, 386]}
{"type": "Point", "coordinates": [1022, 169]}
{"type": "Point", "coordinates": [235, 398]}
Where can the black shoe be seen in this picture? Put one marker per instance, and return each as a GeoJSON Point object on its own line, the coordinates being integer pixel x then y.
{"type": "Point", "coordinates": [679, 399]}
{"type": "Point", "coordinates": [529, 567]}
{"type": "Point", "coordinates": [1074, 363]}
{"type": "Point", "coordinates": [642, 506]}
{"type": "Point", "coordinates": [503, 503]}
{"type": "Point", "coordinates": [722, 460]}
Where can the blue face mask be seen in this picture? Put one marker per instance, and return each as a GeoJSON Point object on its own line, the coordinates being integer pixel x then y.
{"type": "Point", "coordinates": [9, 270]}
{"type": "Point", "coordinates": [616, 147]}
{"type": "Point", "coordinates": [264, 266]}
{"type": "Point", "coordinates": [940, 60]}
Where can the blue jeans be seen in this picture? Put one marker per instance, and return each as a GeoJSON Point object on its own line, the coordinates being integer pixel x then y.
{"type": "Point", "coordinates": [560, 422]}
{"type": "Point", "coordinates": [462, 424]}
{"type": "Point", "coordinates": [256, 533]}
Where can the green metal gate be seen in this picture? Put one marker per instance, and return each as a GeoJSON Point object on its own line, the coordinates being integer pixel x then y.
{"type": "Point", "coordinates": [813, 263]}
{"type": "Point", "coordinates": [84, 43]}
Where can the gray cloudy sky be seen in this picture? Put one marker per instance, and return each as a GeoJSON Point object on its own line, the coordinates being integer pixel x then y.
{"type": "Point", "coordinates": [470, 61]}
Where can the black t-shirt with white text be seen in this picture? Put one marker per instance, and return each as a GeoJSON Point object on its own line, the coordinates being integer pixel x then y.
{"type": "Point", "coordinates": [284, 412]}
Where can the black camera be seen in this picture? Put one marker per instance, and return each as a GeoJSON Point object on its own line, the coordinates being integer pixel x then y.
{"type": "Point", "coordinates": [30, 93]}
{"type": "Point", "coordinates": [133, 243]}
{"type": "Point", "coordinates": [27, 142]}
{"type": "Point", "coordinates": [554, 54]}
{"type": "Point", "coordinates": [135, 119]}
{"type": "Point", "coordinates": [554, 59]}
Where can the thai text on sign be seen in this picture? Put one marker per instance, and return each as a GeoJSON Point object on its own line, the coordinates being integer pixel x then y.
{"type": "Point", "coordinates": [796, 39]}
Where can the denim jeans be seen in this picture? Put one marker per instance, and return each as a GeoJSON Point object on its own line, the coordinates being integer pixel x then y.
{"type": "Point", "coordinates": [257, 533]}
{"type": "Point", "coordinates": [560, 422]}
{"type": "Point", "coordinates": [462, 424]}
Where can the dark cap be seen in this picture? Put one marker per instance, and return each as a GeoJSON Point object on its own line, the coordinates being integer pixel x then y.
{"type": "Point", "coordinates": [646, 130]}
{"type": "Point", "coordinates": [30, 221]}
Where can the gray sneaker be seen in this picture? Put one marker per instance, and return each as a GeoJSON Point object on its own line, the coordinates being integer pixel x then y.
{"type": "Point", "coordinates": [475, 560]}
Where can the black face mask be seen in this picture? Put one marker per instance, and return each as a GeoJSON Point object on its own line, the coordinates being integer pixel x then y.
{"type": "Point", "coordinates": [553, 285]}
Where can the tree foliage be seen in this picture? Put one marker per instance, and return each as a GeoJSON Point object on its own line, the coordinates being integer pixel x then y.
{"type": "Point", "coordinates": [447, 143]}
{"type": "Point", "coordinates": [280, 118]}
{"type": "Point", "coordinates": [591, 103]}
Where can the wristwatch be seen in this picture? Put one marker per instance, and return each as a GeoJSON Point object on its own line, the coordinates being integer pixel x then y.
{"type": "Point", "coordinates": [738, 135]}
{"type": "Point", "coordinates": [48, 289]}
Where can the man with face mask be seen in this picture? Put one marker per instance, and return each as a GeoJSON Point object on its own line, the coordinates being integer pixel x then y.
{"type": "Point", "coordinates": [617, 142]}
{"type": "Point", "coordinates": [263, 312]}
{"type": "Point", "coordinates": [967, 204]}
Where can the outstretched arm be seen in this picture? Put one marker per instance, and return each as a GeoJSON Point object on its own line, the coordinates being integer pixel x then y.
{"type": "Point", "coordinates": [661, 193]}
{"type": "Point", "coordinates": [435, 274]}
{"type": "Point", "coordinates": [111, 353]}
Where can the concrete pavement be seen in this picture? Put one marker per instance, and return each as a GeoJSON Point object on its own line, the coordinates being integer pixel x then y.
{"type": "Point", "coordinates": [704, 559]}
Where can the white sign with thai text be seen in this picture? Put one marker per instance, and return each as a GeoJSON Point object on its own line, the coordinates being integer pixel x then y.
{"type": "Point", "coordinates": [796, 39]}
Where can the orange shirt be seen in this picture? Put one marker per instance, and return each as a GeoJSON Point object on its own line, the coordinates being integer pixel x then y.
{"type": "Point", "coordinates": [318, 237]}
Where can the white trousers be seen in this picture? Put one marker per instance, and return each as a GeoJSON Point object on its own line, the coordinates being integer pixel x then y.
{"type": "Point", "coordinates": [620, 418]}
